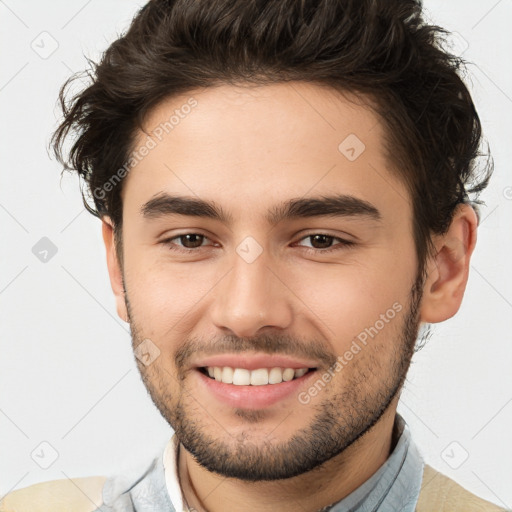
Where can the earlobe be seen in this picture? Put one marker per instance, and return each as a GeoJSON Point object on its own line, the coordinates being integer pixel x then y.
{"type": "Point", "coordinates": [448, 269]}
{"type": "Point", "coordinates": [114, 267]}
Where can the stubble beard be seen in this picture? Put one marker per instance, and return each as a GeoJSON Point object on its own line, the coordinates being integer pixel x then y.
{"type": "Point", "coordinates": [339, 420]}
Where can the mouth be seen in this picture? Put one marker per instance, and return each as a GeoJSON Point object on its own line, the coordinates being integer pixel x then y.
{"type": "Point", "coordinates": [253, 380]}
{"type": "Point", "coordinates": [255, 389]}
{"type": "Point", "coordinates": [257, 377]}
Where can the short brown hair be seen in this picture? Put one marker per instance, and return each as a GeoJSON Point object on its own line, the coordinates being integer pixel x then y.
{"type": "Point", "coordinates": [379, 49]}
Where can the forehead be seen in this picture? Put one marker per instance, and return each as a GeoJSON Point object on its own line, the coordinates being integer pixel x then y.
{"type": "Point", "coordinates": [238, 144]}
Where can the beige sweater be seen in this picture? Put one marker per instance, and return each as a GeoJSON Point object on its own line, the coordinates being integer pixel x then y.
{"type": "Point", "coordinates": [438, 494]}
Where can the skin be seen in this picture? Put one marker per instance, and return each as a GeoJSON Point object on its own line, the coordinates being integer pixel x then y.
{"type": "Point", "coordinates": [249, 149]}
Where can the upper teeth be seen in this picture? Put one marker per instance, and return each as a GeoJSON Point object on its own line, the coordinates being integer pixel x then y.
{"type": "Point", "coordinates": [259, 377]}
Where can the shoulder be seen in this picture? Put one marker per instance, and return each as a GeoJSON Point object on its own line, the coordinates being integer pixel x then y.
{"type": "Point", "coordinates": [439, 493]}
{"type": "Point", "coordinates": [77, 494]}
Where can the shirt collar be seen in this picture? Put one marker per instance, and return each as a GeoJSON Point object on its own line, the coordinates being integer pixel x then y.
{"type": "Point", "coordinates": [395, 485]}
{"type": "Point", "coordinates": [172, 482]}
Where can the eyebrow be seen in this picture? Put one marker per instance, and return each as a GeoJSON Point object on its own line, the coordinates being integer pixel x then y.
{"type": "Point", "coordinates": [163, 204]}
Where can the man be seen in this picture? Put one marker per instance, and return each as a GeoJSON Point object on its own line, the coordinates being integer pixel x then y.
{"type": "Point", "coordinates": [284, 189]}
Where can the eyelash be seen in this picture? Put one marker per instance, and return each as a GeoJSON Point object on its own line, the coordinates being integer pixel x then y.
{"type": "Point", "coordinates": [343, 244]}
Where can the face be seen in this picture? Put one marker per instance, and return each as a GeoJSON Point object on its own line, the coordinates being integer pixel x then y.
{"type": "Point", "coordinates": [266, 235]}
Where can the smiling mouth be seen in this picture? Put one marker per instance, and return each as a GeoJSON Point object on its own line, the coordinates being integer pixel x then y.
{"type": "Point", "coordinates": [258, 377]}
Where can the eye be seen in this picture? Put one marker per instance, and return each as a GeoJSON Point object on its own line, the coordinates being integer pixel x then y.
{"type": "Point", "coordinates": [321, 242]}
{"type": "Point", "coordinates": [187, 242]}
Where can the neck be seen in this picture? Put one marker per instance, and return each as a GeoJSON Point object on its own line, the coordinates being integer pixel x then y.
{"type": "Point", "coordinates": [311, 491]}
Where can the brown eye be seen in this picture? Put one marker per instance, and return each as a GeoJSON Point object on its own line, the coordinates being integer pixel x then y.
{"type": "Point", "coordinates": [321, 241]}
{"type": "Point", "coordinates": [191, 240]}
{"type": "Point", "coordinates": [186, 242]}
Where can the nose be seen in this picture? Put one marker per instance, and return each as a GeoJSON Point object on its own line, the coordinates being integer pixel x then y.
{"type": "Point", "coordinates": [252, 297]}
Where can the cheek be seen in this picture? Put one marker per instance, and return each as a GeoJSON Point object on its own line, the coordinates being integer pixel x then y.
{"type": "Point", "coordinates": [346, 300]}
{"type": "Point", "coordinates": [164, 296]}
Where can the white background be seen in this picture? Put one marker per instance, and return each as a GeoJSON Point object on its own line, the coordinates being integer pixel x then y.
{"type": "Point", "coordinates": [67, 374]}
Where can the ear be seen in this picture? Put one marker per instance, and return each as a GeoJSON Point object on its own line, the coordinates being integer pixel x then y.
{"type": "Point", "coordinates": [448, 269]}
{"type": "Point", "coordinates": [114, 267]}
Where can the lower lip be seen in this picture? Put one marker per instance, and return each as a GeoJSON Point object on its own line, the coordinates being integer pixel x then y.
{"type": "Point", "coordinates": [253, 397]}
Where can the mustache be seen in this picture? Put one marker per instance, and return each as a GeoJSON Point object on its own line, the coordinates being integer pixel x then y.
{"type": "Point", "coordinates": [265, 343]}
